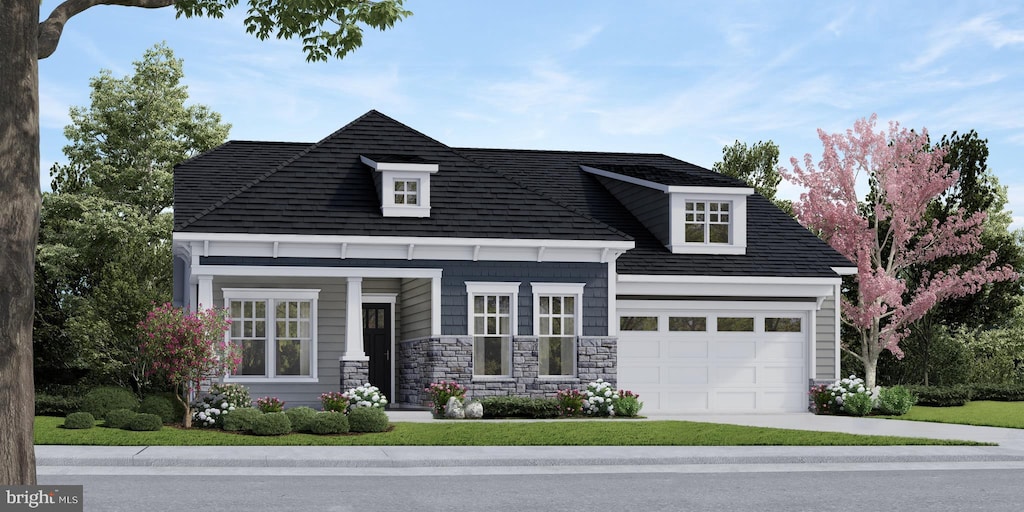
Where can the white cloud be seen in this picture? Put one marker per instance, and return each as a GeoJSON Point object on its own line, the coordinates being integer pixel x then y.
{"type": "Point", "coordinates": [53, 108]}
{"type": "Point", "coordinates": [982, 28]}
{"type": "Point", "coordinates": [580, 40]}
{"type": "Point", "coordinates": [546, 91]}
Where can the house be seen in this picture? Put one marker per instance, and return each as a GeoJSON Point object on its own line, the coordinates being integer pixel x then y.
{"type": "Point", "coordinates": [379, 254]}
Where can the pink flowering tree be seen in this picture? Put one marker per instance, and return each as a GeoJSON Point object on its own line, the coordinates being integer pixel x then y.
{"type": "Point", "coordinates": [888, 233]}
{"type": "Point", "coordinates": [187, 349]}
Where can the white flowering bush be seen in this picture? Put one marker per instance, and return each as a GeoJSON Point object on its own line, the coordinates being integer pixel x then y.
{"type": "Point", "coordinates": [600, 398]}
{"type": "Point", "coordinates": [366, 396]}
{"type": "Point", "coordinates": [851, 396]}
{"type": "Point", "coordinates": [208, 409]}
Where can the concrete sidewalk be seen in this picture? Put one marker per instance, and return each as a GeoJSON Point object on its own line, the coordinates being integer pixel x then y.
{"type": "Point", "coordinates": [1011, 449]}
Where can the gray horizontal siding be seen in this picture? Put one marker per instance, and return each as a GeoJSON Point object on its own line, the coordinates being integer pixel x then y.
{"type": "Point", "coordinates": [825, 333]}
{"type": "Point", "coordinates": [416, 309]}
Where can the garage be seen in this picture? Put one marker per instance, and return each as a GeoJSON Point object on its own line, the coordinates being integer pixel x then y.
{"type": "Point", "coordinates": [715, 357]}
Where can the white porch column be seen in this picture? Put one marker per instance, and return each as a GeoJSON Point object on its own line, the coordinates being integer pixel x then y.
{"type": "Point", "coordinates": [435, 306]}
{"type": "Point", "coordinates": [354, 321]}
{"type": "Point", "coordinates": [205, 296]}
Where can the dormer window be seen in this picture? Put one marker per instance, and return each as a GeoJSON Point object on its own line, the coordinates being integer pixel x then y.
{"type": "Point", "coordinates": [407, 192]}
{"type": "Point", "coordinates": [707, 222]}
{"type": "Point", "coordinates": [404, 184]}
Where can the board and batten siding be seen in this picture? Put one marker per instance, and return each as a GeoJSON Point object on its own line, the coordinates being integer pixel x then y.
{"type": "Point", "coordinates": [649, 206]}
{"type": "Point", "coordinates": [825, 338]}
{"type": "Point", "coordinates": [415, 304]}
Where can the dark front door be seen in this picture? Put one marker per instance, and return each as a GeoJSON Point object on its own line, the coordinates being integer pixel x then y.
{"type": "Point", "coordinates": [377, 343]}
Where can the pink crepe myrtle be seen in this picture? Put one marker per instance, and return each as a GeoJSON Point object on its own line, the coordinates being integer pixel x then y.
{"type": "Point", "coordinates": [187, 348]}
{"type": "Point", "coordinates": [906, 176]}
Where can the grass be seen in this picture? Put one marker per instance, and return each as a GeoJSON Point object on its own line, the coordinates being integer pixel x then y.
{"type": "Point", "coordinates": [578, 433]}
{"type": "Point", "coordinates": [983, 413]}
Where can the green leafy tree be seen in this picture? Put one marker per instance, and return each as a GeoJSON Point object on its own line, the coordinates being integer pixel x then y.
{"type": "Point", "coordinates": [104, 252]}
{"type": "Point", "coordinates": [327, 28]}
{"type": "Point", "coordinates": [757, 165]}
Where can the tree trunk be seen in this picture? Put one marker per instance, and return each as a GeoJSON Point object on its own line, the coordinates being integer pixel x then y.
{"type": "Point", "coordinates": [870, 368]}
{"type": "Point", "coordinates": [186, 422]}
{"type": "Point", "coordinates": [19, 228]}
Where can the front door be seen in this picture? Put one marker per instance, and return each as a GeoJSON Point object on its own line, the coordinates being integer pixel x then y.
{"type": "Point", "coordinates": [377, 343]}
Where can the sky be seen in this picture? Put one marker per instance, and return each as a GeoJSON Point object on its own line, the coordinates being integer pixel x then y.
{"type": "Point", "coordinates": [675, 77]}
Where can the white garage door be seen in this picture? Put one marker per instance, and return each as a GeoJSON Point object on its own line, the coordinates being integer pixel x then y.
{"type": "Point", "coordinates": [713, 360]}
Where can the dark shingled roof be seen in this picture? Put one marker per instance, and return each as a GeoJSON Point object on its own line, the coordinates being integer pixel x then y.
{"type": "Point", "coordinates": [324, 189]}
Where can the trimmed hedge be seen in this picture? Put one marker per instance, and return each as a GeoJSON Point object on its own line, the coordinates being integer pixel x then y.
{"type": "Point", "coordinates": [941, 396]}
{"type": "Point", "coordinates": [56, 405]}
{"type": "Point", "coordinates": [519, 407]}
{"type": "Point", "coordinates": [160, 406]}
{"type": "Point", "coordinates": [100, 401]}
{"type": "Point", "coordinates": [272, 424]}
{"type": "Point", "coordinates": [79, 420]}
{"type": "Point", "coordinates": [301, 418]}
{"type": "Point", "coordinates": [241, 420]}
{"type": "Point", "coordinates": [329, 422]}
{"type": "Point", "coordinates": [367, 419]}
{"type": "Point", "coordinates": [145, 422]}
{"type": "Point", "coordinates": [997, 393]}
{"type": "Point", "coordinates": [895, 400]}
{"type": "Point", "coordinates": [118, 418]}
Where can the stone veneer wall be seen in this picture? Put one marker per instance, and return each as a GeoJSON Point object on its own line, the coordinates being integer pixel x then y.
{"type": "Point", "coordinates": [450, 358]}
{"type": "Point", "coordinates": [354, 374]}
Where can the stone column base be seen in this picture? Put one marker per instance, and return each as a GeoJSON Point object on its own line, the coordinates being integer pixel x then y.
{"type": "Point", "coordinates": [354, 374]}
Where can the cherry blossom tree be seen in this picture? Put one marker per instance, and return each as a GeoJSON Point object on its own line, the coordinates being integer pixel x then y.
{"type": "Point", "coordinates": [888, 232]}
{"type": "Point", "coordinates": [187, 349]}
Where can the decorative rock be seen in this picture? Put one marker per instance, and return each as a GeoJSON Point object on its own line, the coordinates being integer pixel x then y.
{"type": "Point", "coordinates": [474, 410]}
{"type": "Point", "coordinates": [453, 410]}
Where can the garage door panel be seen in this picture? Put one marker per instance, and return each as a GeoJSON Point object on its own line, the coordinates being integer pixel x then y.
{"type": "Point", "coordinates": [645, 349]}
{"type": "Point", "coordinates": [783, 350]}
{"type": "Point", "coordinates": [687, 349]}
{"type": "Point", "coordinates": [736, 349]}
{"type": "Point", "coordinates": [687, 375]}
{"type": "Point", "coordinates": [735, 400]}
{"type": "Point", "coordinates": [683, 401]}
{"type": "Point", "coordinates": [637, 375]}
{"type": "Point", "coordinates": [783, 400]}
{"type": "Point", "coordinates": [734, 376]}
{"type": "Point", "coordinates": [774, 375]}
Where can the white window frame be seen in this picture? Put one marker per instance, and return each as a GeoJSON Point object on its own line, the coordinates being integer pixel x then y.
{"type": "Point", "coordinates": [707, 222]}
{"type": "Point", "coordinates": [474, 289]}
{"type": "Point", "coordinates": [560, 290]}
{"type": "Point", "coordinates": [271, 296]}
{"type": "Point", "coordinates": [392, 172]}
{"type": "Point", "coordinates": [405, 193]}
{"type": "Point", "coordinates": [737, 243]}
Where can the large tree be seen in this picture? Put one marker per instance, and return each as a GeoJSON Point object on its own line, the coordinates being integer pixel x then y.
{"type": "Point", "coordinates": [890, 232]}
{"type": "Point", "coordinates": [327, 28]}
{"type": "Point", "coordinates": [758, 165]}
{"type": "Point", "coordinates": [104, 252]}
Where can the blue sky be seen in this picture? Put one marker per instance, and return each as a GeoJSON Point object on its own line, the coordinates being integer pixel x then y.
{"type": "Point", "coordinates": [675, 77]}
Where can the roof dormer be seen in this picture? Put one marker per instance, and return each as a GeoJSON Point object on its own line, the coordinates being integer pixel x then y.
{"type": "Point", "coordinates": [688, 216]}
{"type": "Point", "coordinates": [404, 184]}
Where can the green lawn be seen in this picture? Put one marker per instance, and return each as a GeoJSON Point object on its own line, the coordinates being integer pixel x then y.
{"type": "Point", "coordinates": [576, 433]}
{"type": "Point", "coordinates": [991, 414]}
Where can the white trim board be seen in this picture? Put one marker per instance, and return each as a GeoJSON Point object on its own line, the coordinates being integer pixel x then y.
{"type": "Point", "coordinates": [668, 189]}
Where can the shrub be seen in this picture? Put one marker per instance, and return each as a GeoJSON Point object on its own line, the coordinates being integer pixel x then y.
{"type": "Point", "coordinates": [440, 392]}
{"type": "Point", "coordinates": [269, 404]}
{"type": "Point", "coordinates": [822, 398]}
{"type": "Point", "coordinates": [895, 401]}
{"type": "Point", "coordinates": [159, 406]}
{"type": "Point", "coordinates": [273, 424]}
{"type": "Point", "coordinates": [629, 404]}
{"type": "Point", "coordinates": [100, 401]}
{"type": "Point", "coordinates": [519, 407]}
{"type": "Point", "coordinates": [1010, 393]}
{"type": "Point", "coordinates": [995, 356]}
{"type": "Point", "coordinates": [301, 418]}
{"type": "Point", "coordinates": [118, 418]}
{"type": "Point", "coordinates": [78, 420]}
{"type": "Point", "coordinates": [365, 396]}
{"type": "Point", "coordinates": [331, 422]}
{"type": "Point", "coordinates": [179, 407]}
{"type": "Point", "coordinates": [241, 420]}
{"type": "Point", "coordinates": [941, 396]}
{"type": "Point", "coordinates": [334, 401]}
{"type": "Point", "coordinates": [56, 405]}
{"type": "Point", "coordinates": [857, 404]}
{"type": "Point", "coordinates": [146, 422]}
{"type": "Point", "coordinates": [570, 402]}
{"type": "Point", "coordinates": [209, 408]}
{"type": "Point", "coordinates": [600, 399]}
{"type": "Point", "coordinates": [367, 419]}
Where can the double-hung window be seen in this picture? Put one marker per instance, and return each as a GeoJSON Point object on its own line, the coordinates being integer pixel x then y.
{"type": "Point", "coordinates": [492, 322]}
{"type": "Point", "coordinates": [557, 312]}
{"type": "Point", "coordinates": [407, 192]}
{"type": "Point", "coordinates": [274, 331]}
{"type": "Point", "coordinates": [707, 222]}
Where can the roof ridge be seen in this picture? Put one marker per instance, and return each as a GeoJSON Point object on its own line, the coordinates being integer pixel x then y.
{"type": "Point", "coordinates": [542, 195]}
{"type": "Point", "coordinates": [569, 151]}
{"type": "Point", "coordinates": [264, 176]}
